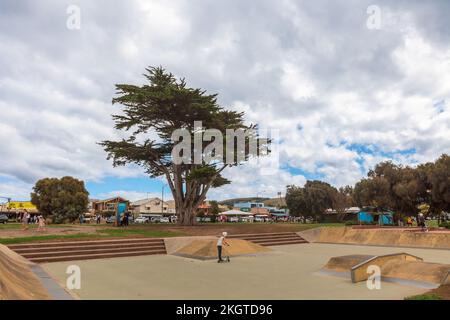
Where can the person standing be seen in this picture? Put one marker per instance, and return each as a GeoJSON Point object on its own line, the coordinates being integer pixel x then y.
{"type": "Point", "coordinates": [41, 223]}
{"type": "Point", "coordinates": [25, 219]}
{"type": "Point", "coordinates": [126, 219]}
{"type": "Point", "coordinates": [421, 222]}
{"type": "Point", "coordinates": [409, 222]}
{"type": "Point", "coordinates": [220, 243]}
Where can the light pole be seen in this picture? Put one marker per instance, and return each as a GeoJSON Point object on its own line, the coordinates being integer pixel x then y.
{"type": "Point", "coordinates": [257, 197]}
{"type": "Point", "coordinates": [258, 193]}
{"type": "Point", "coordinates": [162, 198]}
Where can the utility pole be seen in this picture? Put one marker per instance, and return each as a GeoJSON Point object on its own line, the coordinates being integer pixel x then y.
{"type": "Point", "coordinates": [162, 199]}
{"type": "Point", "coordinates": [279, 195]}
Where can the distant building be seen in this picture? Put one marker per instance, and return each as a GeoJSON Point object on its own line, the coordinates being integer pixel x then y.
{"type": "Point", "coordinates": [247, 206]}
{"type": "Point", "coordinates": [13, 209]}
{"type": "Point", "coordinates": [108, 206]}
{"type": "Point", "coordinates": [90, 208]}
{"type": "Point", "coordinates": [171, 207]}
{"type": "Point", "coordinates": [150, 206]}
{"type": "Point", "coordinates": [206, 208]}
{"type": "Point", "coordinates": [259, 208]}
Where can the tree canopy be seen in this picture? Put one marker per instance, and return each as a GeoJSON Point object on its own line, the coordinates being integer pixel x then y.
{"type": "Point", "coordinates": [61, 199]}
{"type": "Point", "coordinates": [150, 115]}
{"type": "Point", "coordinates": [312, 199]}
{"type": "Point", "coordinates": [404, 189]}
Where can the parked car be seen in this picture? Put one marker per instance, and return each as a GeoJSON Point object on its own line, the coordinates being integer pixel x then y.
{"type": "Point", "coordinates": [142, 220]}
{"type": "Point", "coordinates": [233, 219]}
{"type": "Point", "coordinates": [156, 219]}
{"type": "Point", "coordinates": [111, 219]}
{"type": "Point", "coordinates": [164, 220]}
{"type": "Point", "coordinates": [87, 219]}
{"type": "Point", "coordinates": [3, 218]}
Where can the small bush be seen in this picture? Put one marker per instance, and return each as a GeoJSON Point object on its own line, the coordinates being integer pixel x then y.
{"type": "Point", "coordinates": [426, 296]}
{"type": "Point", "coordinates": [445, 224]}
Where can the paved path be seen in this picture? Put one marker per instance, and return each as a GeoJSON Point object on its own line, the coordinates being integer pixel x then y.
{"type": "Point", "coordinates": [290, 272]}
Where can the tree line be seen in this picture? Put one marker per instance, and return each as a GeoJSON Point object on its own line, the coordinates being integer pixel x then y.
{"type": "Point", "coordinates": [405, 190]}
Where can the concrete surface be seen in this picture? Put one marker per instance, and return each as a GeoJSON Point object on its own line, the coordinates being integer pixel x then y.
{"type": "Point", "coordinates": [411, 238]}
{"type": "Point", "coordinates": [17, 279]}
{"type": "Point", "coordinates": [289, 272]}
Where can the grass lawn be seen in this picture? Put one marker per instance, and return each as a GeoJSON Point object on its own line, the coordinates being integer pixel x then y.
{"type": "Point", "coordinates": [425, 296]}
{"type": "Point", "coordinates": [103, 233]}
{"type": "Point", "coordinates": [441, 293]}
{"type": "Point", "coordinates": [50, 237]}
{"type": "Point", "coordinates": [148, 230]}
{"type": "Point", "coordinates": [18, 226]}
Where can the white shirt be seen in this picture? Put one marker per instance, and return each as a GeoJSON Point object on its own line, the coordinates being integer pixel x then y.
{"type": "Point", "coordinates": [220, 241]}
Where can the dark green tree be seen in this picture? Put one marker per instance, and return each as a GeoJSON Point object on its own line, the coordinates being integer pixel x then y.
{"type": "Point", "coordinates": [215, 210]}
{"type": "Point", "coordinates": [439, 183]}
{"type": "Point", "coordinates": [394, 187]}
{"type": "Point", "coordinates": [150, 115]}
{"type": "Point", "coordinates": [61, 199]}
{"type": "Point", "coordinates": [342, 199]}
{"type": "Point", "coordinates": [311, 200]}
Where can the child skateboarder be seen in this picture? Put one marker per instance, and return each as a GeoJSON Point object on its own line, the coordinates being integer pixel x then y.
{"type": "Point", "coordinates": [222, 241]}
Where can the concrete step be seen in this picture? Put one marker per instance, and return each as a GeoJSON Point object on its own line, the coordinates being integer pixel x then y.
{"type": "Point", "coordinates": [82, 252]}
{"type": "Point", "coordinates": [128, 246]}
{"type": "Point", "coordinates": [48, 251]}
{"type": "Point", "coordinates": [272, 239]}
{"type": "Point", "coordinates": [260, 235]}
{"type": "Point", "coordinates": [84, 243]}
{"type": "Point", "coordinates": [95, 256]}
{"type": "Point", "coordinates": [89, 249]}
{"type": "Point", "coordinates": [256, 240]}
{"type": "Point", "coordinates": [279, 243]}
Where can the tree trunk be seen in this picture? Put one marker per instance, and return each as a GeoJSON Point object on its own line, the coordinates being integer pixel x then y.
{"type": "Point", "coordinates": [186, 217]}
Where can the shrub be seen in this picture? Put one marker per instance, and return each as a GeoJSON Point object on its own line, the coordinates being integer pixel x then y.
{"type": "Point", "coordinates": [445, 224]}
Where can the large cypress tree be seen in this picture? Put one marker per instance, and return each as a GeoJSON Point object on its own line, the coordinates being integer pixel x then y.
{"type": "Point", "coordinates": [150, 115]}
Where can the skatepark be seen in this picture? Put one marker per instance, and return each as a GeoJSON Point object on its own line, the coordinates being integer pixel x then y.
{"type": "Point", "coordinates": [313, 264]}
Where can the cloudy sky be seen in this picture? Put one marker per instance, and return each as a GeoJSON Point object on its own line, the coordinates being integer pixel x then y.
{"type": "Point", "coordinates": [345, 89]}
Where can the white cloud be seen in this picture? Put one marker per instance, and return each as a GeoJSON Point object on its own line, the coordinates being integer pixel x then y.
{"type": "Point", "coordinates": [311, 70]}
{"type": "Point", "coordinates": [131, 195]}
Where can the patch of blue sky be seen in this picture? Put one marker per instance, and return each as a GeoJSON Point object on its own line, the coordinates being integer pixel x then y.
{"type": "Point", "coordinates": [440, 106]}
{"type": "Point", "coordinates": [309, 175]}
{"type": "Point", "coordinates": [376, 150]}
{"type": "Point", "coordinates": [108, 184]}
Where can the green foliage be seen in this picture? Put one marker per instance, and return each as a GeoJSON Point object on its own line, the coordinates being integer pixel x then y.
{"type": "Point", "coordinates": [407, 190]}
{"type": "Point", "coordinates": [61, 199]}
{"type": "Point", "coordinates": [445, 224]}
{"type": "Point", "coordinates": [402, 189]}
{"type": "Point", "coordinates": [391, 186]}
{"type": "Point", "coordinates": [214, 207]}
{"type": "Point", "coordinates": [425, 296]}
{"type": "Point", "coordinates": [311, 200]}
{"type": "Point", "coordinates": [438, 175]}
{"type": "Point", "coordinates": [156, 110]}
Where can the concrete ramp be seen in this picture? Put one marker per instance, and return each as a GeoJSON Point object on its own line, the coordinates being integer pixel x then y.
{"type": "Point", "coordinates": [207, 249]}
{"type": "Point", "coordinates": [379, 237]}
{"type": "Point", "coordinates": [17, 280]}
{"type": "Point", "coordinates": [346, 263]}
{"type": "Point", "coordinates": [399, 267]}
